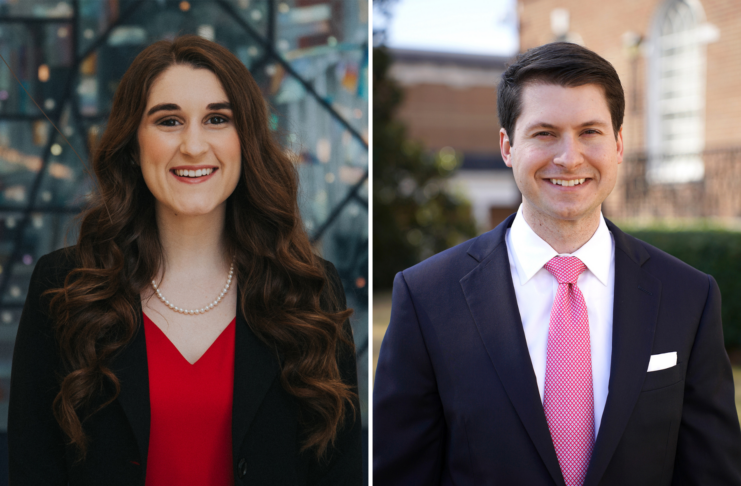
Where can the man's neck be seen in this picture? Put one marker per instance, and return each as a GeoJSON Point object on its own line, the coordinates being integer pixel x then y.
{"type": "Point", "coordinates": [564, 236]}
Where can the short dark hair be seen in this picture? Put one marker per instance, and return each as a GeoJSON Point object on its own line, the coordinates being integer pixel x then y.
{"type": "Point", "coordinates": [563, 64]}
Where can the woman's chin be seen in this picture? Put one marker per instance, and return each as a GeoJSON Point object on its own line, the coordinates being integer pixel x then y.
{"type": "Point", "coordinates": [195, 211]}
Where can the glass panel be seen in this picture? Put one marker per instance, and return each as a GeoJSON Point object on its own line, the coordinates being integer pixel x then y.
{"type": "Point", "coordinates": [95, 19]}
{"type": "Point", "coordinates": [257, 13]}
{"type": "Point", "coordinates": [9, 226]}
{"type": "Point", "coordinates": [36, 8]}
{"type": "Point", "coordinates": [22, 146]}
{"type": "Point", "coordinates": [306, 26]}
{"type": "Point", "coordinates": [66, 182]}
{"type": "Point", "coordinates": [40, 55]}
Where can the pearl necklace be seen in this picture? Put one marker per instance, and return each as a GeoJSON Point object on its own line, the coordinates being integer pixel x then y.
{"type": "Point", "coordinates": [204, 309]}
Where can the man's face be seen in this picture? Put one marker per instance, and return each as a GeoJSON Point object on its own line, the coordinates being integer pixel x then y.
{"type": "Point", "coordinates": [565, 154]}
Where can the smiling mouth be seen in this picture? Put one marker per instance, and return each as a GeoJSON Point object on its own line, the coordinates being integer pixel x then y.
{"type": "Point", "coordinates": [193, 174]}
{"type": "Point", "coordinates": [565, 183]}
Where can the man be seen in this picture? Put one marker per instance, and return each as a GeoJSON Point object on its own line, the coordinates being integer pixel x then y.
{"type": "Point", "coordinates": [556, 349]}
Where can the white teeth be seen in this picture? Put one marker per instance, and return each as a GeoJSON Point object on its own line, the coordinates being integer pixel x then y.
{"type": "Point", "coordinates": [565, 183]}
{"type": "Point", "coordinates": [194, 173]}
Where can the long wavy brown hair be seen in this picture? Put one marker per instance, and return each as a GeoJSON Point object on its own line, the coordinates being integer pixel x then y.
{"type": "Point", "coordinates": [288, 300]}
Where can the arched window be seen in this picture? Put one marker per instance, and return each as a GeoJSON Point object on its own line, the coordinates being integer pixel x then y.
{"type": "Point", "coordinates": [676, 101]}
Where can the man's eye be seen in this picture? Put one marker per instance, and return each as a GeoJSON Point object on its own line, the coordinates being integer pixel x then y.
{"type": "Point", "coordinates": [542, 134]}
{"type": "Point", "coordinates": [591, 131]}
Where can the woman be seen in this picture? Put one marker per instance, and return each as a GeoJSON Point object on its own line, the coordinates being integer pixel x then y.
{"type": "Point", "coordinates": [191, 336]}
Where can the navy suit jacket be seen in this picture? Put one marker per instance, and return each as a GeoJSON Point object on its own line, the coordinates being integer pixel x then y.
{"type": "Point", "coordinates": [456, 400]}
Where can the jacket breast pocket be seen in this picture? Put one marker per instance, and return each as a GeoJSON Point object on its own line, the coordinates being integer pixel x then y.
{"type": "Point", "coordinates": [663, 378]}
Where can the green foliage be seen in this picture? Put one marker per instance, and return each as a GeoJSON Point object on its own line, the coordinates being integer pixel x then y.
{"type": "Point", "coordinates": [415, 215]}
{"type": "Point", "coordinates": [714, 252]}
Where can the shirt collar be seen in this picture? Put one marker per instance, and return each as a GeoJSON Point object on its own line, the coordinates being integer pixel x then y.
{"type": "Point", "coordinates": [531, 252]}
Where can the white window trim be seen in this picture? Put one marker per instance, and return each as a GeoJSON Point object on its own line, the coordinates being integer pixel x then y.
{"type": "Point", "coordinates": [678, 168]}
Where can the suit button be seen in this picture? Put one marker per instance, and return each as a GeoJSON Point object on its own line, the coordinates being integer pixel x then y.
{"type": "Point", "coordinates": [242, 467]}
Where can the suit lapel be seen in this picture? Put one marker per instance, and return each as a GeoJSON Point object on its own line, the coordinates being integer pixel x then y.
{"type": "Point", "coordinates": [131, 369]}
{"type": "Point", "coordinates": [636, 304]}
{"type": "Point", "coordinates": [497, 318]}
{"type": "Point", "coordinates": [255, 370]}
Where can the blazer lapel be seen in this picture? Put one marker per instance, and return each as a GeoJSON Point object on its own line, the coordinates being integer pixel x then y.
{"type": "Point", "coordinates": [256, 367]}
{"type": "Point", "coordinates": [130, 366]}
{"type": "Point", "coordinates": [636, 305]}
{"type": "Point", "coordinates": [497, 318]}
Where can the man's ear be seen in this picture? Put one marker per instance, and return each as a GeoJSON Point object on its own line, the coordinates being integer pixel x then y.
{"type": "Point", "coordinates": [620, 145]}
{"type": "Point", "coordinates": [505, 146]}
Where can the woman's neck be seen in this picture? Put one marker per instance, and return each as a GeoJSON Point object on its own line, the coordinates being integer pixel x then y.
{"type": "Point", "coordinates": [193, 244]}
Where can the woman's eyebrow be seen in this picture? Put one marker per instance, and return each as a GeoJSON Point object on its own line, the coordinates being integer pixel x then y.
{"type": "Point", "coordinates": [163, 107]}
{"type": "Point", "coordinates": [223, 105]}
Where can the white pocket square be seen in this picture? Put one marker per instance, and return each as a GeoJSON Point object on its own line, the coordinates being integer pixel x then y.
{"type": "Point", "coordinates": [662, 361]}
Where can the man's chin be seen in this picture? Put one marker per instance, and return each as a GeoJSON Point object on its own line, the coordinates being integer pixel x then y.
{"type": "Point", "coordinates": [572, 213]}
{"type": "Point", "coordinates": [575, 215]}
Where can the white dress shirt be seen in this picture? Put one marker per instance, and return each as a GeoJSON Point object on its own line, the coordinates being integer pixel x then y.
{"type": "Point", "coordinates": [536, 288]}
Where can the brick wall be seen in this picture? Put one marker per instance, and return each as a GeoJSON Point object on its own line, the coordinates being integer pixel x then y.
{"type": "Point", "coordinates": [462, 118]}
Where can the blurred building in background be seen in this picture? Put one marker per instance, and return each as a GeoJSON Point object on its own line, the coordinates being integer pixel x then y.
{"type": "Point", "coordinates": [310, 58]}
{"type": "Point", "coordinates": [450, 100]}
{"type": "Point", "coordinates": [679, 62]}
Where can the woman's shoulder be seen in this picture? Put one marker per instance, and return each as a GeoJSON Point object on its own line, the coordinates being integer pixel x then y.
{"type": "Point", "coordinates": [334, 292]}
{"type": "Point", "coordinates": [328, 267]}
{"type": "Point", "coordinates": [53, 267]}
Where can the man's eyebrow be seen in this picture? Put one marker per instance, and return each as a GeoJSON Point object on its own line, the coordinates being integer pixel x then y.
{"type": "Point", "coordinates": [595, 123]}
{"type": "Point", "coordinates": [223, 105]}
{"type": "Point", "coordinates": [540, 124]}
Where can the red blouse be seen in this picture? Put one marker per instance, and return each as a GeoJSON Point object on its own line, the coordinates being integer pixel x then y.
{"type": "Point", "coordinates": [190, 433]}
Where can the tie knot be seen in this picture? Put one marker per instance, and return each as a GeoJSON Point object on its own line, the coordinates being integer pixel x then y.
{"type": "Point", "coordinates": [565, 269]}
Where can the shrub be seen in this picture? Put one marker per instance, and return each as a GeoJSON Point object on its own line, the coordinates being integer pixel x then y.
{"type": "Point", "coordinates": [715, 252]}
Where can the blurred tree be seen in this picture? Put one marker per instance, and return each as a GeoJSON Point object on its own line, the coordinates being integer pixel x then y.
{"type": "Point", "coordinates": [381, 19]}
{"type": "Point", "coordinates": [415, 214]}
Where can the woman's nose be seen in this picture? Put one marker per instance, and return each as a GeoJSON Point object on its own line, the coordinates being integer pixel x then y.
{"type": "Point", "coordinates": [193, 141]}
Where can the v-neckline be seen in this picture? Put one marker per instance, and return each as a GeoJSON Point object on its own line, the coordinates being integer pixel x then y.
{"type": "Point", "coordinates": [200, 358]}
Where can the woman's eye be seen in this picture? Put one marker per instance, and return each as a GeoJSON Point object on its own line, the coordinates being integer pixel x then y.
{"type": "Point", "coordinates": [170, 122]}
{"type": "Point", "coordinates": [217, 120]}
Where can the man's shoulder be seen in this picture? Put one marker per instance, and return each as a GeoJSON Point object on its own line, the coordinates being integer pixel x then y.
{"type": "Point", "coordinates": [655, 261]}
{"type": "Point", "coordinates": [453, 264]}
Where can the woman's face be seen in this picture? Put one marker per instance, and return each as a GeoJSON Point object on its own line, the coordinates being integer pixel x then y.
{"type": "Point", "coordinates": [189, 149]}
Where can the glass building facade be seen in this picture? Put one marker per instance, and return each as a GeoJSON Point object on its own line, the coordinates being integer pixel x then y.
{"type": "Point", "coordinates": [310, 58]}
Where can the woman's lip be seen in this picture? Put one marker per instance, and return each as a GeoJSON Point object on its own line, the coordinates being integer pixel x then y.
{"type": "Point", "coordinates": [193, 180]}
{"type": "Point", "coordinates": [194, 167]}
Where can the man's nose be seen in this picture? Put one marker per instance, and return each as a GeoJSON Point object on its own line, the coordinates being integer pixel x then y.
{"type": "Point", "coordinates": [569, 154]}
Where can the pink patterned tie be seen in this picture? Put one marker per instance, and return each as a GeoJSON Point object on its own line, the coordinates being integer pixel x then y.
{"type": "Point", "coordinates": [568, 398]}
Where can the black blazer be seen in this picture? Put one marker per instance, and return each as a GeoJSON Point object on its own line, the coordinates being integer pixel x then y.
{"type": "Point", "coordinates": [456, 399]}
{"type": "Point", "coordinates": [265, 430]}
